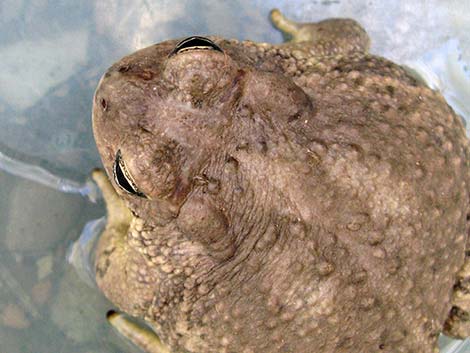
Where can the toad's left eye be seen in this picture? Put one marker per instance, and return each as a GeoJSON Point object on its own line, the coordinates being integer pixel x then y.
{"type": "Point", "coordinates": [195, 42]}
{"type": "Point", "coordinates": [123, 178]}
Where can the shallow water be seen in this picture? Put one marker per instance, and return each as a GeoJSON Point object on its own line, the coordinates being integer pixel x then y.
{"type": "Point", "coordinates": [52, 57]}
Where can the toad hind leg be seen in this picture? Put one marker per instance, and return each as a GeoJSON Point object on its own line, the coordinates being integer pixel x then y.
{"type": "Point", "coordinates": [138, 334]}
{"type": "Point", "coordinates": [328, 37]}
{"type": "Point", "coordinates": [114, 260]}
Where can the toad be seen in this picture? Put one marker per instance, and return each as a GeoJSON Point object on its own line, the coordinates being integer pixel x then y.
{"type": "Point", "coordinates": [302, 197]}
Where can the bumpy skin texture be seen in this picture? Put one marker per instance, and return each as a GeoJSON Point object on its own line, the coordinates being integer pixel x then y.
{"type": "Point", "coordinates": [306, 197]}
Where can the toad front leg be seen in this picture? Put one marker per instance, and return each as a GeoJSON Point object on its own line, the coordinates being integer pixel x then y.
{"type": "Point", "coordinates": [138, 334]}
{"type": "Point", "coordinates": [115, 265]}
{"type": "Point", "coordinates": [336, 36]}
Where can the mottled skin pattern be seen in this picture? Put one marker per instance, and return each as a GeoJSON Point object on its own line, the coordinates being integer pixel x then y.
{"type": "Point", "coordinates": [304, 197]}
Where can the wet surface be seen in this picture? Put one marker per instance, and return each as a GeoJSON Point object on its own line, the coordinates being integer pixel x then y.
{"type": "Point", "coordinates": [44, 305]}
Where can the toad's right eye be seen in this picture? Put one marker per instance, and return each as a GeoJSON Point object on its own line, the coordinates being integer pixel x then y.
{"type": "Point", "coordinates": [195, 43]}
{"type": "Point", "coordinates": [123, 178]}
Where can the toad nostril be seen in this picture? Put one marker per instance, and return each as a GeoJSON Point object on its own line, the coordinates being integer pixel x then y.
{"type": "Point", "coordinates": [104, 104]}
{"type": "Point", "coordinates": [195, 42]}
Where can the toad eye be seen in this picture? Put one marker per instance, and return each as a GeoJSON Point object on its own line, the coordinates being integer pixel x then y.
{"type": "Point", "coordinates": [123, 178]}
{"type": "Point", "coordinates": [195, 42]}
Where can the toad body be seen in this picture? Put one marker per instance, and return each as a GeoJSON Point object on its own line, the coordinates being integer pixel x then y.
{"type": "Point", "coordinates": [302, 197]}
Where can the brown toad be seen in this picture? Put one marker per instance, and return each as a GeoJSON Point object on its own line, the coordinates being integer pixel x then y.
{"type": "Point", "coordinates": [303, 197]}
